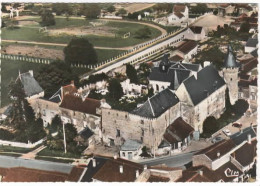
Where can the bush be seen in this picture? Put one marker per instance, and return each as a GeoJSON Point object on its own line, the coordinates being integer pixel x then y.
{"type": "Point", "coordinates": [6, 135]}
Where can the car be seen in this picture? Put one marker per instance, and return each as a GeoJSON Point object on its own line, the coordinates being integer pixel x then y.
{"type": "Point", "coordinates": [227, 132]}
{"type": "Point", "coordinates": [237, 125]}
{"type": "Point", "coordinates": [216, 139]}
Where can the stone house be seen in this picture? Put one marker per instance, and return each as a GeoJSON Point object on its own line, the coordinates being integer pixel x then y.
{"type": "Point", "coordinates": [226, 9]}
{"type": "Point", "coordinates": [186, 50]}
{"type": "Point", "coordinates": [146, 123]}
{"type": "Point", "coordinates": [177, 137]}
{"type": "Point", "coordinates": [131, 150]}
{"type": "Point", "coordinates": [179, 16]}
{"type": "Point", "coordinates": [195, 33]}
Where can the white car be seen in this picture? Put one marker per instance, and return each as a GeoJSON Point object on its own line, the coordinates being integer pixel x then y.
{"type": "Point", "coordinates": [227, 132]}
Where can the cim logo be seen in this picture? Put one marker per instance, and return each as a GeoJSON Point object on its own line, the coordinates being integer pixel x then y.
{"type": "Point", "coordinates": [230, 173]}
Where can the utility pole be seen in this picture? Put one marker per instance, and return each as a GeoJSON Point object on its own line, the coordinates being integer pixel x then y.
{"type": "Point", "coordinates": [64, 138]}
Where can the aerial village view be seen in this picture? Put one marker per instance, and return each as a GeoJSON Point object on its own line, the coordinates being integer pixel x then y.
{"type": "Point", "coordinates": [128, 92]}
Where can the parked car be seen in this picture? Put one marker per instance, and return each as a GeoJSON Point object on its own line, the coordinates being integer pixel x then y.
{"type": "Point", "coordinates": [237, 125]}
{"type": "Point", "coordinates": [227, 132]}
{"type": "Point", "coordinates": [216, 139]}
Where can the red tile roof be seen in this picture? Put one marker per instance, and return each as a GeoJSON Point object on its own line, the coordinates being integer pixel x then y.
{"type": "Point", "coordinates": [75, 103]}
{"type": "Point", "coordinates": [249, 65]}
{"type": "Point", "coordinates": [179, 8]}
{"type": "Point", "coordinates": [176, 58]}
{"type": "Point", "coordinates": [246, 154]}
{"type": "Point", "coordinates": [69, 89]}
{"type": "Point", "coordinates": [153, 178]}
{"type": "Point", "coordinates": [178, 14]}
{"type": "Point", "coordinates": [187, 46]}
{"type": "Point", "coordinates": [221, 147]}
{"type": "Point", "coordinates": [75, 174]}
{"type": "Point", "coordinates": [109, 172]}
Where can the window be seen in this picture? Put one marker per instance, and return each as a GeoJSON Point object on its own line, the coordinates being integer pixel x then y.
{"type": "Point", "coordinates": [44, 113]}
{"type": "Point", "coordinates": [230, 79]}
{"type": "Point", "coordinates": [142, 121]}
{"type": "Point", "coordinates": [117, 133]}
{"type": "Point", "coordinates": [142, 139]}
{"type": "Point", "coordinates": [125, 116]}
{"type": "Point", "coordinates": [123, 154]}
{"type": "Point", "coordinates": [74, 113]}
{"type": "Point", "coordinates": [142, 132]}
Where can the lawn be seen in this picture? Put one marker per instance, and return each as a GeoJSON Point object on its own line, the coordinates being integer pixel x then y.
{"type": "Point", "coordinates": [14, 149]}
{"type": "Point", "coordinates": [31, 33]}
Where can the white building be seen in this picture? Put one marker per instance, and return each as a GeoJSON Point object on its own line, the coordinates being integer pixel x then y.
{"type": "Point", "coordinates": [195, 33]}
{"type": "Point", "coordinates": [131, 150]}
{"type": "Point", "coordinates": [179, 16]}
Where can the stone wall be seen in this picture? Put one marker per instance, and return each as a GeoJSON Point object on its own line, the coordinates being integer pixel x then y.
{"type": "Point", "coordinates": [201, 159]}
{"type": "Point", "coordinates": [148, 131]}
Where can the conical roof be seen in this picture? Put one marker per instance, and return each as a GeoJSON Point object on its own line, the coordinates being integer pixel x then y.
{"type": "Point", "coordinates": [230, 61]}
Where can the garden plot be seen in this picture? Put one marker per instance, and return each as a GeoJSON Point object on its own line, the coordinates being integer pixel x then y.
{"type": "Point", "coordinates": [27, 23]}
{"type": "Point", "coordinates": [33, 51]}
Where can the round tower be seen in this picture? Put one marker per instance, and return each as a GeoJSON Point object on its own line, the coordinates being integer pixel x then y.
{"type": "Point", "coordinates": [230, 75]}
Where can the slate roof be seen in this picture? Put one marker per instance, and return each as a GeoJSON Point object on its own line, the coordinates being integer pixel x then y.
{"type": "Point", "coordinates": [254, 52]}
{"type": "Point", "coordinates": [251, 42]}
{"type": "Point", "coordinates": [30, 85]}
{"type": "Point", "coordinates": [245, 155]}
{"type": "Point", "coordinates": [196, 29]}
{"type": "Point", "coordinates": [177, 131]}
{"type": "Point", "coordinates": [75, 103]}
{"type": "Point", "coordinates": [239, 137]}
{"type": "Point", "coordinates": [130, 145]}
{"type": "Point", "coordinates": [208, 81]}
{"type": "Point", "coordinates": [109, 172]}
{"type": "Point", "coordinates": [230, 60]}
{"type": "Point", "coordinates": [187, 46]}
{"type": "Point", "coordinates": [157, 104]}
{"type": "Point", "coordinates": [86, 133]}
{"type": "Point", "coordinates": [57, 97]}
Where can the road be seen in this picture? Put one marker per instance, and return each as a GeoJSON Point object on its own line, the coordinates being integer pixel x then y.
{"type": "Point", "coordinates": [172, 161]}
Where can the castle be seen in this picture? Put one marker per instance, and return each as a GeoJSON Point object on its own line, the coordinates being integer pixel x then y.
{"type": "Point", "coordinates": [184, 90]}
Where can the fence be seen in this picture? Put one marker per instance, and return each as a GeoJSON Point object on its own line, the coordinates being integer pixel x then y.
{"type": "Point", "coordinates": [23, 145]}
{"type": "Point", "coordinates": [26, 58]}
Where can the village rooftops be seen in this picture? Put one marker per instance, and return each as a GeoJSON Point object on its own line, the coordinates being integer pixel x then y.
{"type": "Point", "coordinates": [196, 29]}
{"type": "Point", "coordinates": [246, 154]}
{"type": "Point", "coordinates": [187, 46]}
{"type": "Point", "coordinates": [30, 85]}
{"type": "Point", "coordinates": [157, 105]}
{"type": "Point", "coordinates": [75, 103]}
{"type": "Point", "coordinates": [118, 170]}
{"type": "Point", "coordinates": [239, 137]}
{"type": "Point", "coordinates": [131, 145]}
{"type": "Point", "coordinates": [200, 86]}
{"type": "Point", "coordinates": [177, 131]}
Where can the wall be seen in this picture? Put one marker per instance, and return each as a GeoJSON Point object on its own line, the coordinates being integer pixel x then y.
{"type": "Point", "coordinates": [131, 126]}
{"type": "Point", "coordinates": [201, 159]}
{"type": "Point", "coordinates": [161, 85]}
{"type": "Point", "coordinates": [22, 145]}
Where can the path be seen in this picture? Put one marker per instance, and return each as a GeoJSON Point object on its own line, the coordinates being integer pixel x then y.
{"type": "Point", "coordinates": [32, 154]}
{"type": "Point", "coordinates": [60, 44]}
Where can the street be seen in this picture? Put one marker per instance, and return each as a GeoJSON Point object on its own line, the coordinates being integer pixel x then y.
{"type": "Point", "coordinates": [172, 161]}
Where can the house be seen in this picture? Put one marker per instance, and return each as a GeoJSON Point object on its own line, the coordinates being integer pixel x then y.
{"type": "Point", "coordinates": [31, 87]}
{"type": "Point", "coordinates": [186, 50]}
{"type": "Point", "coordinates": [195, 33]}
{"type": "Point", "coordinates": [225, 161]}
{"type": "Point", "coordinates": [179, 16]}
{"type": "Point", "coordinates": [176, 137]}
{"type": "Point", "coordinates": [226, 9]}
{"type": "Point", "coordinates": [131, 149]}
{"type": "Point", "coordinates": [251, 45]}
{"type": "Point", "coordinates": [107, 169]}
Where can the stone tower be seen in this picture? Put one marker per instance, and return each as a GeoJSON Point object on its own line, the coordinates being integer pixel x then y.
{"type": "Point", "coordinates": [230, 75]}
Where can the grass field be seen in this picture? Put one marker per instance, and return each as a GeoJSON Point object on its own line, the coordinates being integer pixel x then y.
{"type": "Point", "coordinates": [31, 33]}
{"type": "Point", "coordinates": [10, 70]}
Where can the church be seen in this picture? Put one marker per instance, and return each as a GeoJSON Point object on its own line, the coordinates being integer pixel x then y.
{"type": "Point", "coordinates": [183, 90]}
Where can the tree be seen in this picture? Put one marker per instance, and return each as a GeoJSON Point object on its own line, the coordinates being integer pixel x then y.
{"type": "Point", "coordinates": [143, 33]}
{"type": "Point", "coordinates": [36, 131]}
{"type": "Point", "coordinates": [201, 8]}
{"type": "Point", "coordinates": [56, 124]}
{"type": "Point", "coordinates": [210, 125]}
{"type": "Point", "coordinates": [215, 12]}
{"type": "Point", "coordinates": [131, 73]}
{"type": "Point", "coordinates": [52, 77]}
{"type": "Point", "coordinates": [111, 8]}
{"type": "Point", "coordinates": [80, 51]}
{"type": "Point", "coordinates": [133, 15]}
{"type": "Point", "coordinates": [122, 11]}
{"type": "Point", "coordinates": [115, 89]}
{"type": "Point", "coordinates": [62, 8]}
{"type": "Point", "coordinates": [47, 17]}
{"type": "Point", "coordinates": [245, 27]}
{"type": "Point", "coordinates": [90, 10]}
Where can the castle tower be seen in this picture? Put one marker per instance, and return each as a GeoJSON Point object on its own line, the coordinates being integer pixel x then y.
{"type": "Point", "coordinates": [230, 75]}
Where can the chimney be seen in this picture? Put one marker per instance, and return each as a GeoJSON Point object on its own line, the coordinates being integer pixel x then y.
{"type": "Point", "coordinates": [31, 72]}
{"type": "Point", "coordinates": [206, 63]}
{"type": "Point", "coordinates": [72, 82]}
{"type": "Point", "coordinates": [121, 169]}
{"type": "Point", "coordinates": [137, 173]}
{"type": "Point", "coordinates": [115, 157]}
{"type": "Point", "coordinates": [201, 172]}
{"type": "Point", "coordinates": [249, 139]}
{"type": "Point", "coordinates": [218, 154]}
{"type": "Point", "coordinates": [94, 163]}
{"type": "Point", "coordinates": [145, 167]}
{"type": "Point", "coordinates": [1, 178]}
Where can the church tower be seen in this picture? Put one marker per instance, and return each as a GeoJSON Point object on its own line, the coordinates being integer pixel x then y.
{"type": "Point", "coordinates": [230, 75]}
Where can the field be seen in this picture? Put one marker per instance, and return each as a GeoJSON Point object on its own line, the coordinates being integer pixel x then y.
{"type": "Point", "coordinates": [104, 34]}
{"type": "Point", "coordinates": [10, 70]}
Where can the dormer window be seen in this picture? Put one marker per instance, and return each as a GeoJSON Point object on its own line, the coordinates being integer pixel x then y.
{"type": "Point", "coordinates": [163, 67]}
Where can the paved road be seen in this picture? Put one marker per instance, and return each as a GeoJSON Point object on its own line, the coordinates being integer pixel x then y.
{"type": "Point", "coordinates": [172, 161]}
